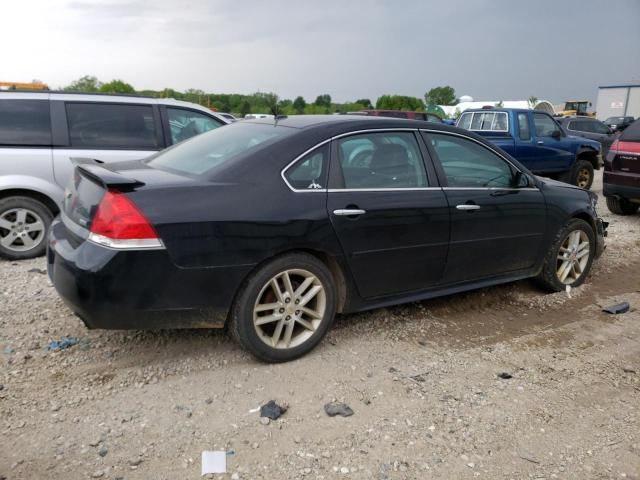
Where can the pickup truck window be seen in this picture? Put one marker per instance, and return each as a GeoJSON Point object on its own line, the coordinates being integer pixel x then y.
{"type": "Point", "coordinates": [523, 122]}
{"type": "Point", "coordinates": [545, 126]}
{"type": "Point", "coordinates": [489, 121]}
{"type": "Point", "coordinates": [467, 164]}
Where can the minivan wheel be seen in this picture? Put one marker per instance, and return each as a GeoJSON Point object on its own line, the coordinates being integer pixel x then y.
{"type": "Point", "coordinates": [24, 223]}
{"type": "Point", "coordinates": [621, 206]}
{"type": "Point", "coordinates": [285, 308]}
{"type": "Point", "coordinates": [570, 257]}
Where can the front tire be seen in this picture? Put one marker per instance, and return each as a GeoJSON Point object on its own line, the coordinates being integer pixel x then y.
{"type": "Point", "coordinates": [570, 257]}
{"type": "Point", "coordinates": [285, 308]}
{"type": "Point", "coordinates": [24, 223]}
{"type": "Point", "coordinates": [582, 174]}
{"type": "Point", "coordinates": [621, 206]}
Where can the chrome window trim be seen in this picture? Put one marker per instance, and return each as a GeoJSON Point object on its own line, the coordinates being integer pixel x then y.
{"type": "Point", "coordinates": [294, 161]}
{"type": "Point", "coordinates": [511, 189]}
{"type": "Point", "coordinates": [414, 189]}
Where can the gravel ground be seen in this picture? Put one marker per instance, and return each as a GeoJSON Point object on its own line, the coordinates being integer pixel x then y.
{"type": "Point", "coordinates": [422, 379]}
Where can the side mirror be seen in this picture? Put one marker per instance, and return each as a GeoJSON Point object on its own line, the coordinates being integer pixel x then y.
{"type": "Point", "coordinates": [521, 180]}
{"type": "Point", "coordinates": [556, 134]}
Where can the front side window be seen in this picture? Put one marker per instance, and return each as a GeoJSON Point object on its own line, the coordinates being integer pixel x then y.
{"type": "Point", "coordinates": [25, 122]}
{"type": "Point", "coordinates": [545, 126]}
{"type": "Point", "coordinates": [111, 125]}
{"type": "Point", "coordinates": [467, 164]}
{"type": "Point", "coordinates": [184, 124]}
{"type": "Point", "coordinates": [381, 160]}
{"type": "Point", "coordinates": [310, 172]}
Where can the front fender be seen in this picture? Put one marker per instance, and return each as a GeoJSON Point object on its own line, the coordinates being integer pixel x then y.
{"type": "Point", "coordinates": [32, 184]}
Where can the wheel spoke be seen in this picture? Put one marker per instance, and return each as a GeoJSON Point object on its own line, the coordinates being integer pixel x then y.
{"type": "Point", "coordinates": [303, 286]}
{"type": "Point", "coordinates": [264, 307]}
{"type": "Point", "coordinates": [306, 324]}
{"type": "Point", "coordinates": [276, 289]}
{"type": "Point", "coordinates": [563, 271]}
{"type": "Point", "coordinates": [21, 216]}
{"type": "Point", "coordinates": [310, 294]}
{"type": "Point", "coordinates": [287, 283]}
{"type": "Point", "coordinates": [311, 313]}
{"type": "Point", "coordinates": [7, 241]}
{"type": "Point", "coordinates": [267, 319]}
{"type": "Point", "coordinates": [275, 338]}
{"type": "Point", "coordinates": [583, 253]}
{"type": "Point", "coordinates": [6, 224]}
{"type": "Point", "coordinates": [27, 241]}
{"type": "Point", "coordinates": [288, 333]}
{"type": "Point", "coordinates": [36, 226]}
{"type": "Point", "coordinates": [565, 250]}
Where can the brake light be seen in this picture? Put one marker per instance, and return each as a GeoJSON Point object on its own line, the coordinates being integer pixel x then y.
{"type": "Point", "coordinates": [614, 145]}
{"type": "Point", "coordinates": [118, 223]}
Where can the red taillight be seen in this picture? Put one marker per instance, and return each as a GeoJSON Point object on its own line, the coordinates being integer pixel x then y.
{"type": "Point", "coordinates": [118, 218]}
{"type": "Point", "coordinates": [614, 145]}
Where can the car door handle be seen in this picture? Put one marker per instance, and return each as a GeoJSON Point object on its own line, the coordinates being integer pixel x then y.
{"type": "Point", "coordinates": [540, 142]}
{"type": "Point", "coordinates": [468, 207]}
{"type": "Point", "coordinates": [346, 212]}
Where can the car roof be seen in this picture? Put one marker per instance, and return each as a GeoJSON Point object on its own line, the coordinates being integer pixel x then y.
{"type": "Point", "coordinates": [104, 98]}
{"type": "Point", "coordinates": [500, 109]}
{"type": "Point", "coordinates": [346, 121]}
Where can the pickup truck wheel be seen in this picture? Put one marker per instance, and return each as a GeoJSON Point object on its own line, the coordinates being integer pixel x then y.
{"type": "Point", "coordinates": [24, 223]}
{"type": "Point", "coordinates": [570, 257]}
{"type": "Point", "coordinates": [621, 206]}
{"type": "Point", "coordinates": [582, 174]}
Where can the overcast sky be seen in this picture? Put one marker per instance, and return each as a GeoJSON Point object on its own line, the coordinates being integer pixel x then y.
{"type": "Point", "coordinates": [489, 49]}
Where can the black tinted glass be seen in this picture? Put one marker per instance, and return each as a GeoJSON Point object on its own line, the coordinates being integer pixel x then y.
{"type": "Point", "coordinates": [310, 173]}
{"type": "Point", "coordinates": [100, 125]}
{"type": "Point", "coordinates": [631, 133]}
{"type": "Point", "coordinates": [25, 122]}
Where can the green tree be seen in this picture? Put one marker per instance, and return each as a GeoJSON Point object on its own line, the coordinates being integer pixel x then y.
{"type": "Point", "coordinates": [445, 95]}
{"type": "Point", "coordinates": [400, 102]}
{"type": "Point", "coordinates": [87, 83]}
{"type": "Point", "coordinates": [323, 101]}
{"type": "Point", "coordinates": [533, 100]}
{"type": "Point", "coordinates": [245, 107]}
{"type": "Point", "coordinates": [365, 102]}
{"type": "Point", "coordinates": [500, 104]}
{"type": "Point", "coordinates": [299, 105]}
{"type": "Point", "coordinates": [117, 86]}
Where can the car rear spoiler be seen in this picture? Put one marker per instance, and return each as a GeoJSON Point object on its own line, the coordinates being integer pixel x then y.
{"type": "Point", "coordinates": [103, 176]}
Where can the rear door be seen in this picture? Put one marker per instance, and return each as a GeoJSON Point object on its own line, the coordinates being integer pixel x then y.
{"type": "Point", "coordinates": [107, 132]}
{"type": "Point", "coordinates": [497, 218]}
{"type": "Point", "coordinates": [388, 211]}
{"type": "Point", "coordinates": [553, 146]}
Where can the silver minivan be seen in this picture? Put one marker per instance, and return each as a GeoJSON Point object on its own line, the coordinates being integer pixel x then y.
{"type": "Point", "coordinates": [40, 132]}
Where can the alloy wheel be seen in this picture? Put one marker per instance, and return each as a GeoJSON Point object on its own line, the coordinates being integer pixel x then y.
{"type": "Point", "coordinates": [21, 229]}
{"type": "Point", "coordinates": [573, 257]}
{"type": "Point", "coordinates": [289, 308]}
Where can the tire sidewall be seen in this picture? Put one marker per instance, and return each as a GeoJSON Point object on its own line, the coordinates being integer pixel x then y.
{"type": "Point", "coordinates": [580, 164]}
{"type": "Point", "coordinates": [242, 325]}
{"type": "Point", "coordinates": [39, 209]}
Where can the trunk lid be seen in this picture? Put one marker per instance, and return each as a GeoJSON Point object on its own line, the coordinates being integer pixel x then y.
{"type": "Point", "coordinates": [626, 157]}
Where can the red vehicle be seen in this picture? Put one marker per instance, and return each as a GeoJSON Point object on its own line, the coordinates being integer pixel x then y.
{"type": "Point", "coordinates": [622, 172]}
{"type": "Point", "coordinates": [425, 116]}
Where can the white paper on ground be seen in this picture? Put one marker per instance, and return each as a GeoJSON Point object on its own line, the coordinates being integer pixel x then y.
{"type": "Point", "coordinates": [214, 462]}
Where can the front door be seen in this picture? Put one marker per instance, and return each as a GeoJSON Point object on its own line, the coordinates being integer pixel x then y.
{"type": "Point", "coordinates": [497, 217]}
{"type": "Point", "coordinates": [391, 218]}
{"type": "Point", "coordinates": [553, 146]}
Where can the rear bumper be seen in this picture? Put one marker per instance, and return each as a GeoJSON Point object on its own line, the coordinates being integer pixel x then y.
{"type": "Point", "coordinates": [138, 289]}
{"type": "Point", "coordinates": [621, 185]}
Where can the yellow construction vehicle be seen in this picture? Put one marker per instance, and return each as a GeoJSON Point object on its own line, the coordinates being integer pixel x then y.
{"type": "Point", "coordinates": [23, 86]}
{"type": "Point", "coordinates": [576, 107]}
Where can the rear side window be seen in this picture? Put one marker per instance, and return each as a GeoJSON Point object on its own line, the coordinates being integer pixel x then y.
{"type": "Point", "coordinates": [381, 160]}
{"type": "Point", "coordinates": [631, 133]}
{"type": "Point", "coordinates": [310, 172]}
{"type": "Point", "coordinates": [25, 122]}
{"type": "Point", "coordinates": [491, 121]}
{"type": "Point", "coordinates": [117, 126]}
{"type": "Point", "coordinates": [184, 124]}
{"type": "Point", "coordinates": [525, 131]}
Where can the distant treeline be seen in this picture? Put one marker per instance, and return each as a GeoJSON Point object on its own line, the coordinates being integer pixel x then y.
{"type": "Point", "coordinates": [261, 102]}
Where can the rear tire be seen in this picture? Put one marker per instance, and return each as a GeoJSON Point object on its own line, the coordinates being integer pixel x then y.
{"type": "Point", "coordinates": [24, 225]}
{"type": "Point", "coordinates": [278, 326]}
{"type": "Point", "coordinates": [582, 174]}
{"type": "Point", "coordinates": [565, 263]}
{"type": "Point", "coordinates": [621, 206]}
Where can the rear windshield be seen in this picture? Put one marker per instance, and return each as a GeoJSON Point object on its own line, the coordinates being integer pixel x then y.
{"type": "Point", "coordinates": [205, 152]}
{"type": "Point", "coordinates": [631, 133]}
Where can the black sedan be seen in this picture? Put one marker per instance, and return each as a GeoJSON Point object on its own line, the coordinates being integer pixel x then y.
{"type": "Point", "coordinates": [271, 227]}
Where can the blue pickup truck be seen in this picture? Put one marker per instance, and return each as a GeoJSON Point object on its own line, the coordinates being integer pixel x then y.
{"type": "Point", "coordinates": [538, 142]}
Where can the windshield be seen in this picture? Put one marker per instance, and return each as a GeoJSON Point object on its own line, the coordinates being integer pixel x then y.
{"type": "Point", "coordinates": [612, 120]}
{"type": "Point", "coordinates": [210, 150]}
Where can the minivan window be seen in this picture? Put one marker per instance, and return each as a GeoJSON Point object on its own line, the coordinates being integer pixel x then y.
{"type": "Point", "coordinates": [25, 122]}
{"type": "Point", "coordinates": [210, 150]}
{"type": "Point", "coordinates": [184, 124]}
{"type": "Point", "coordinates": [111, 125]}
